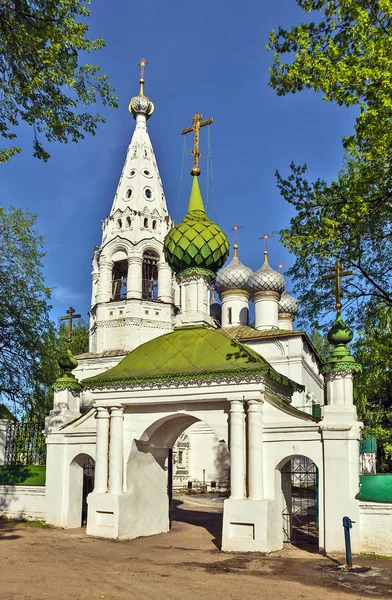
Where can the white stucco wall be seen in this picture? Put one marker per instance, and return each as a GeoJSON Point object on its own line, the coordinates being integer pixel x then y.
{"type": "Point", "coordinates": [375, 524]}
{"type": "Point", "coordinates": [23, 502]}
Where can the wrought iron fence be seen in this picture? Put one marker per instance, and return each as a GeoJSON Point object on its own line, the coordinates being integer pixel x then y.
{"type": "Point", "coordinates": [25, 443]}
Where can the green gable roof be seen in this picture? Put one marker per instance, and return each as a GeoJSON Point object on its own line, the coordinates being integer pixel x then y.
{"type": "Point", "coordinates": [187, 353]}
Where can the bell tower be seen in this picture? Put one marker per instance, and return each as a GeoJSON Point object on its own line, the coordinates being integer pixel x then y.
{"type": "Point", "coordinates": [132, 287]}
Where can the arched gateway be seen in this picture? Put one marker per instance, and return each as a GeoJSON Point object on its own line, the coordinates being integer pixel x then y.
{"type": "Point", "coordinates": [158, 363]}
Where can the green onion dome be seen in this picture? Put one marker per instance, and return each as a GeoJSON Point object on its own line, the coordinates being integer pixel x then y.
{"type": "Point", "coordinates": [196, 244]}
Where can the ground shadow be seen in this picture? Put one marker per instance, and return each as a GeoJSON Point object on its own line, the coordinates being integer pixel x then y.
{"type": "Point", "coordinates": [8, 530]}
{"type": "Point", "coordinates": [211, 521]}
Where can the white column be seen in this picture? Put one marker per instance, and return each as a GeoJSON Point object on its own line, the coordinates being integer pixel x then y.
{"type": "Point", "coordinates": [285, 321]}
{"type": "Point", "coordinates": [3, 437]}
{"type": "Point", "coordinates": [102, 447]}
{"type": "Point", "coordinates": [165, 290]}
{"type": "Point", "coordinates": [255, 449]}
{"type": "Point", "coordinates": [116, 450]}
{"type": "Point", "coordinates": [105, 281]}
{"type": "Point", "coordinates": [177, 294]}
{"type": "Point", "coordinates": [266, 310]}
{"type": "Point", "coordinates": [134, 277]}
{"type": "Point", "coordinates": [237, 449]}
{"type": "Point", "coordinates": [94, 287]}
{"type": "Point", "coordinates": [238, 301]}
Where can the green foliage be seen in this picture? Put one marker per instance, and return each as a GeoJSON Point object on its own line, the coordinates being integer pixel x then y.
{"type": "Point", "coordinates": [373, 386]}
{"type": "Point", "coordinates": [350, 221]}
{"type": "Point", "coordinates": [30, 344]}
{"type": "Point", "coordinates": [41, 79]}
{"type": "Point", "coordinates": [320, 343]}
{"type": "Point", "coordinates": [346, 54]}
{"type": "Point", "coordinates": [24, 308]}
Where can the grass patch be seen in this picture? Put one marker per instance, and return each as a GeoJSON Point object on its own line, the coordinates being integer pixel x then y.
{"type": "Point", "coordinates": [374, 555]}
{"type": "Point", "coordinates": [37, 524]}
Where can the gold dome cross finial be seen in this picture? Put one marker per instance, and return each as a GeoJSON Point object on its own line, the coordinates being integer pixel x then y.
{"type": "Point", "coordinates": [336, 275]}
{"type": "Point", "coordinates": [235, 228]}
{"type": "Point", "coordinates": [197, 123]}
{"type": "Point", "coordinates": [280, 266]}
{"type": "Point", "coordinates": [266, 237]}
{"type": "Point", "coordinates": [142, 64]}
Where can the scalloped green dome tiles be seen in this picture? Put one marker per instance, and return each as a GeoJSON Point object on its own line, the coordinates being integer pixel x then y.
{"type": "Point", "coordinates": [196, 242]}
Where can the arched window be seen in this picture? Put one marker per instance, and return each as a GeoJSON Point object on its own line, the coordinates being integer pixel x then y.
{"type": "Point", "coordinates": [128, 193]}
{"type": "Point", "coordinates": [119, 224]}
{"type": "Point", "coordinates": [230, 315]}
{"type": "Point", "coordinates": [145, 223]}
{"type": "Point", "coordinates": [119, 280]}
{"type": "Point", "coordinates": [154, 224]}
{"type": "Point", "coordinates": [129, 221]}
{"type": "Point", "coordinates": [150, 276]}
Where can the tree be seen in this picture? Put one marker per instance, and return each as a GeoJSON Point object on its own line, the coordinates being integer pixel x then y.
{"type": "Point", "coordinates": [41, 79]}
{"type": "Point", "coordinates": [24, 305]}
{"type": "Point", "coordinates": [347, 55]}
{"type": "Point", "coordinates": [342, 221]}
{"type": "Point", "coordinates": [373, 386]}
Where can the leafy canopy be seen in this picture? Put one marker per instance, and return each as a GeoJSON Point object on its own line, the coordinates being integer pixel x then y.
{"type": "Point", "coordinates": [346, 54]}
{"type": "Point", "coordinates": [24, 307]}
{"type": "Point", "coordinates": [373, 386]}
{"type": "Point", "coordinates": [42, 81]}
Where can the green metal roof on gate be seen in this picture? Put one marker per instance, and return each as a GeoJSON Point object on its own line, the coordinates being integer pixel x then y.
{"type": "Point", "coordinates": [185, 354]}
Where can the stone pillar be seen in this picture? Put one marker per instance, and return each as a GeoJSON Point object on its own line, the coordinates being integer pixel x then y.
{"type": "Point", "coordinates": [238, 302]}
{"type": "Point", "coordinates": [194, 297]}
{"type": "Point", "coordinates": [94, 287]}
{"type": "Point", "coordinates": [102, 449]}
{"type": "Point", "coordinates": [165, 290]}
{"type": "Point", "coordinates": [116, 450]}
{"type": "Point", "coordinates": [104, 293]}
{"type": "Point", "coordinates": [177, 294]}
{"type": "Point", "coordinates": [285, 321]}
{"type": "Point", "coordinates": [266, 310]}
{"type": "Point", "coordinates": [237, 450]}
{"type": "Point", "coordinates": [134, 278]}
{"type": "Point", "coordinates": [3, 439]}
{"type": "Point", "coordinates": [255, 450]}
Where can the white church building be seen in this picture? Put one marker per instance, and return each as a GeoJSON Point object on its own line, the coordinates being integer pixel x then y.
{"type": "Point", "coordinates": [173, 376]}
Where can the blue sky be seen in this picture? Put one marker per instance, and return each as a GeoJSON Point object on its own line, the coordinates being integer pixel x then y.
{"type": "Point", "coordinates": [209, 57]}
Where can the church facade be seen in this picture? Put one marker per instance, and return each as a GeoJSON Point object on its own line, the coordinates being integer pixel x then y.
{"type": "Point", "coordinates": [167, 363]}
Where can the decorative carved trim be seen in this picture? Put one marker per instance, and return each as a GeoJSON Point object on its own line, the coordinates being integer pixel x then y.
{"type": "Point", "coordinates": [235, 291]}
{"type": "Point", "coordinates": [267, 294]}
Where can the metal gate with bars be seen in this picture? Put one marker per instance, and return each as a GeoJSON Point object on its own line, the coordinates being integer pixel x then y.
{"type": "Point", "coordinates": [88, 485]}
{"type": "Point", "coordinates": [300, 501]}
{"type": "Point", "coordinates": [25, 443]}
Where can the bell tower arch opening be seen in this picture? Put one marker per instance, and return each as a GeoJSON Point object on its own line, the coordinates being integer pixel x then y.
{"type": "Point", "coordinates": [119, 280]}
{"type": "Point", "coordinates": [150, 275]}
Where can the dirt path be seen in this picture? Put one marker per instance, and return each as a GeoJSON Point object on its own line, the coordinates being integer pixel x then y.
{"type": "Point", "coordinates": [54, 564]}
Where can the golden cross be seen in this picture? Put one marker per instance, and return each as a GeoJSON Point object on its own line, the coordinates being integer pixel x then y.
{"type": "Point", "coordinates": [235, 229]}
{"type": "Point", "coordinates": [280, 266]}
{"type": "Point", "coordinates": [70, 316]}
{"type": "Point", "coordinates": [142, 64]}
{"type": "Point", "coordinates": [266, 237]}
{"type": "Point", "coordinates": [197, 123]}
{"type": "Point", "coordinates": [336, 275]}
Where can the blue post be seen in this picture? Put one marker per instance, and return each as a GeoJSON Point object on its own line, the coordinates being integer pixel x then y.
{"type": "Point", "coordinates": [347, 524]}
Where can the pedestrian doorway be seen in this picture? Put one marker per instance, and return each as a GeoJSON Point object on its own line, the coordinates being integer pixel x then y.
{"type": "Point", "coordinates": [300, 501]}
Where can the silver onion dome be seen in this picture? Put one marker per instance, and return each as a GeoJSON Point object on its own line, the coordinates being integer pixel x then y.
{"type": "Point", "coordinates": [233, 277]}
{"type": "Point", "coordinates": [287, 305]}
{"type": "Point", "coordinates": [266, 279]}
{"type": "Point", "coordinates": [140, 103]}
